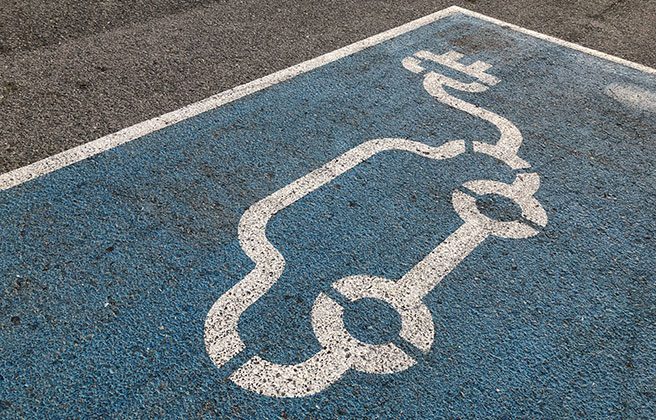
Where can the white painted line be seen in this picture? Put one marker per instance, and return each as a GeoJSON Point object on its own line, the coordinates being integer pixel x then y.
{"type": "Point", "coordinates": [555, 40]}
{"type": "Point", "coordinates": [340, 350]}
{"type": "Point", "coordinates": [632, 96]}
{"type": "Point", "coordinates": [221, 332]}
{"type": "Point", "coordinates": [76, 154]}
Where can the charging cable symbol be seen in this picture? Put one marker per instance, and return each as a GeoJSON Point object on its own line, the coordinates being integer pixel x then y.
{"type": "Point", "coordinates": [340, 350]}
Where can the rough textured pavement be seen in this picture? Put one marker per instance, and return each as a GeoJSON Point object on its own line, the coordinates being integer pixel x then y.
{"type": "Point", "coordinates": [73, 71]}
{"type": "Point", "coordinates": [110, 266]}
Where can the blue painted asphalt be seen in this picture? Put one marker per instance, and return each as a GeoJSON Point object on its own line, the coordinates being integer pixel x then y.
{"type": "Point", "coordinates": [110, 266]}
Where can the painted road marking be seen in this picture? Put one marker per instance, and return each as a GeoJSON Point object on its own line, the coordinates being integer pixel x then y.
{"type": "Point", "coordinates": [69, 157]}
{"type": "Point", "coordinates": [340, 350]}
{"type": "Point", "coordinates": [451, 219]}
{"type": "Point", "coordinates": [634, 96]}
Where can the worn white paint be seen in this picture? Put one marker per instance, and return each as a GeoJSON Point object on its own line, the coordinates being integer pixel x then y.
{"type": "Point", "coordinates": [557, 41]}
{"type": "Point", "coordinates": [506, 147]}
{"type": "Point", "coordinates": [221, 335]}
{"type": "Point", "coordinates": [633, 96]}
{"type": "Point", "coordinates": [76, 154]}
{"type": "Point", "coordinates": [341, 351]}
{"type": "Point", "coordinates": [451, 59]}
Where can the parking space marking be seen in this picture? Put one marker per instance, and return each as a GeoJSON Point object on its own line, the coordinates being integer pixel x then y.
{"type": "Point", "coordinates": [76, 154]}
{"type": "Point", "coordinates": [446, 219]}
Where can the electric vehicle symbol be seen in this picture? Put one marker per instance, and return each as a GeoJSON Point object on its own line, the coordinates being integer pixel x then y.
{"type": "Point", "coordinates": [340, 350]}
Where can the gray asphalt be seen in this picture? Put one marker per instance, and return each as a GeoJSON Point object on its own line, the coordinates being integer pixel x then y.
{"type": "Point", "coordinates": [73, 71]}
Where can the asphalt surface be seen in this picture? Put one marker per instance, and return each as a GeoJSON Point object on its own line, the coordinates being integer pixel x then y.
{"type": "Point", "coordinates": [111, 265]}
{"type": "Point", "coordinates": [73, 71]}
